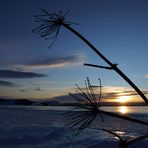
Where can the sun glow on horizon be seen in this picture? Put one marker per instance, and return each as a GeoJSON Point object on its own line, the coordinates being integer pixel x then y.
{"type": "Point", "coordinates": [123, 99]}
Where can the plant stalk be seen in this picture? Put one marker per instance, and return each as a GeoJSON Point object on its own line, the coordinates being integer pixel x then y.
{"type": "Point", "coordinates": [123, 117]}
{"type": "Point", "coordinates": [108, 62]}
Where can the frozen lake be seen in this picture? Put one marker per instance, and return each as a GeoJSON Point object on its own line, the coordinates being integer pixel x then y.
{"type": "Point", "coordinates": [44, 127]}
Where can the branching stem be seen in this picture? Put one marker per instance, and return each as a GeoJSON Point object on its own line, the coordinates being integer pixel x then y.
{"type": "Point", "coordinates": [115, 68]}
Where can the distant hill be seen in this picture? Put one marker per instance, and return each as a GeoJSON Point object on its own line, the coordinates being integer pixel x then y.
{"type": "Point", "coordinates": [15, 102]}
{"type": "Point", "coordinates": [50, 103]}
{"type": "Point", "coordinates": [28, 102]}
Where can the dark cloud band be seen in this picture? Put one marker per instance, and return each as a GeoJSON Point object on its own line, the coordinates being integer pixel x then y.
{"type": "Point", "coordinates": [56, 61]}
{"type": "Point", "coordinates": [19, 74]}
{"type": "Point", "coordinates": [7, 83]}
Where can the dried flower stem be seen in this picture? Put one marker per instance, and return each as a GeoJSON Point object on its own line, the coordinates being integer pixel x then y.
{"type": "Point", "coordinates": [108, 62]}
{"type": "Point", "coordinates": [123, 117]}
{"type": "Point", "coordinates": [50, 25]}
{"type": "Point", "coordinates": [88, 107]}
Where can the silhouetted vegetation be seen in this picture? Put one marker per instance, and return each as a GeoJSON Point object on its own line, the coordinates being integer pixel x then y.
{"type": "Point", "coordinates": [49, 27]}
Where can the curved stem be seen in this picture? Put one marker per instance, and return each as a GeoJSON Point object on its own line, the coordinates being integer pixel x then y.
{"type": "Point", "coordinates": [137, 139]}
{"type": "Point", "coordinates": [108, 62]}
{"type": "Point", "coordinates": [123, 117]}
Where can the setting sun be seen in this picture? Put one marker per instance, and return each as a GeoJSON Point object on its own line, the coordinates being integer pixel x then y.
{"type": "Point", "coordinates": [123, 99]}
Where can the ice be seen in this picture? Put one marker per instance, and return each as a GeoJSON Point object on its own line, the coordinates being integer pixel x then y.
{"type": "Point", "coordinates": [32, 128]}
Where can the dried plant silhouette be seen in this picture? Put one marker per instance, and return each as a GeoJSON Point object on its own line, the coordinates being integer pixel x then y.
{"type": "Point", "coordinates": [50, 24]}
{"type": "Point", "coordinates": [125, 143]}
{"type": "Point", "coordinates": [86, 108]}
{"type": "Point", "coordinates": [88, 105]}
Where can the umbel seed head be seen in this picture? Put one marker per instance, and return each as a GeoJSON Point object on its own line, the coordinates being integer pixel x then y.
{"type": "Point", "coordinates": [50, 24]}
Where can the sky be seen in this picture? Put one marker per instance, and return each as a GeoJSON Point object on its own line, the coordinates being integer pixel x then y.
{"type": "Point", "coordinates": [29, 69]}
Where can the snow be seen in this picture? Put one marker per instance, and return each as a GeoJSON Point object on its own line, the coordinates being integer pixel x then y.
{"type": "Point", "coordinates": [22, 127]}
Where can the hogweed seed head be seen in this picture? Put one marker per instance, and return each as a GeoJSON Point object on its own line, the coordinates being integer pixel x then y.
{"type": "Point", "coordinates": [50, 24]}
{"type": "Point", "coordinates": [86, 108]}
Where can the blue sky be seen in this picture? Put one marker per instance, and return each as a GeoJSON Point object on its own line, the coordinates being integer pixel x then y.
{"type": "Point", "coordinates": [28, 69]}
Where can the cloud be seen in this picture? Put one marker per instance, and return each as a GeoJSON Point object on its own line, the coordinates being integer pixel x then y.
{"type": "Point", "coordinates": [19, 74]}
{"type": "Point", "coordinates": [6, 83]}
{"type": "Point", "coordinates": [42, 61]}
{"type": "Point", "coordinates": [146, 76]}
{"type": "Point", "coordinates": [38, 89]}
{"type": "Point", "coordinates": [56, 62]}
{"type": "Point", "coordinates": [23, 90]}
{"type": "Point", "coordinates": [110, 94]}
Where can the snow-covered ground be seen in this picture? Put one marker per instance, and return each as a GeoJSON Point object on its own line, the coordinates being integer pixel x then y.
{"type": "Point", "coordinates": [34, 128]}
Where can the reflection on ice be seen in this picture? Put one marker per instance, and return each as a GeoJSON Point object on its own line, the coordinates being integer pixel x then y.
{"type": "Point", "coordinates": [123, 109]}
{"type": "Point", "coordinates": [121, 133]}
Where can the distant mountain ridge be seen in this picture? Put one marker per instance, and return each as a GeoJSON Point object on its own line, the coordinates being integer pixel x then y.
{"type": "Point", "coordinates": [28, 102]}
{"type": "Point", "coordinates": [15, 102]}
